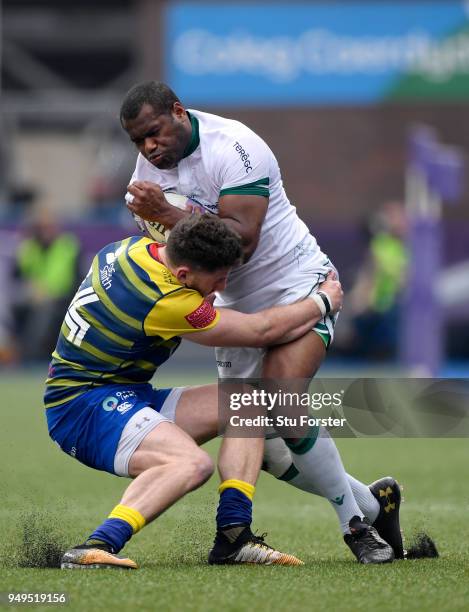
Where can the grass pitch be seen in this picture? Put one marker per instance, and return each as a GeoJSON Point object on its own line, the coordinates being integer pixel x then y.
{"type": "Point", "coordinates": [50, 501]}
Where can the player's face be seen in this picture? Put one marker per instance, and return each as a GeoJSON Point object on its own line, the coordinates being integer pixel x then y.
{"type": "Point", "coordinates": [206, 282]}
{"type": "Point", "coordinates": [160, 138]}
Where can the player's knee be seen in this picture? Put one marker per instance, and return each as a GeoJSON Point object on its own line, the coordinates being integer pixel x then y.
{"type": "Point", "coordinates": [199, 467]}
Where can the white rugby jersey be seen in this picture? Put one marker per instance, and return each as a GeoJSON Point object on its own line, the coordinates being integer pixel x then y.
{"type": "Point", "coordinates": [226, 157]}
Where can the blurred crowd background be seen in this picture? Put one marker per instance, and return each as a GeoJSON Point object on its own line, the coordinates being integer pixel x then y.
{"type": "Point", "coordinates": [337, 89]}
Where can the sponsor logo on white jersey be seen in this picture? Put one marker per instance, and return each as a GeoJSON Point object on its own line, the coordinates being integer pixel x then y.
{"type": "Point", "coordinates": [244, 156]}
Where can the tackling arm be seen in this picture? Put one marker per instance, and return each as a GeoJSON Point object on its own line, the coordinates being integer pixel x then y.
{"type": "Point", "coordinates": [275, 325]}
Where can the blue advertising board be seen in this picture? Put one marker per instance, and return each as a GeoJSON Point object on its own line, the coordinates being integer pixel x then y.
{"type": "Point", "coordinates": [328, 53]}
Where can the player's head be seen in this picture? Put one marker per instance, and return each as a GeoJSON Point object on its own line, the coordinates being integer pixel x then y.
{"type": "Point", "coordinates": [157, 123]}
{"type": "Point", "coordinates": [201, 250]}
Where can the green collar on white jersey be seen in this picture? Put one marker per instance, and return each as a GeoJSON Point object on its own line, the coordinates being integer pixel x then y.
{"type": "Point", "coordinates": [195, 139]}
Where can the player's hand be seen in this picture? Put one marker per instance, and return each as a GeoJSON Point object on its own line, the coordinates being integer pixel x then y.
{"type": "Point", "coordinates": [194, 209]}
{"type": "Point", "coordinates": [333, 288]}
{"type": "Point", "coordinates": [148, 201]}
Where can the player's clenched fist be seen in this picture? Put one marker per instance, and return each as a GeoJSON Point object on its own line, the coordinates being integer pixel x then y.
{"type": "Point", "coordinates": [147, 201]}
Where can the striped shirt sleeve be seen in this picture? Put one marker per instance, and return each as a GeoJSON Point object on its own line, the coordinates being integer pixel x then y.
{"type": "Point", "coordinates": [180, 312]}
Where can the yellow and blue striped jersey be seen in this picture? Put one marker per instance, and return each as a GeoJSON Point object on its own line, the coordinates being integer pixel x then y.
{"type": "Point", "coordinates": [124, 321]}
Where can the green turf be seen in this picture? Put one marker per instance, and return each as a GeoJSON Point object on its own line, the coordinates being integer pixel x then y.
{"type": "Point", "coordinates": [50, 498]}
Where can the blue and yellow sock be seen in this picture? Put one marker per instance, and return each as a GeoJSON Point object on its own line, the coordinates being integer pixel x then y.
{"type": "Point", "coordinates": [235, 505]}
{"type": "Point", "coordinates": [118, 528]}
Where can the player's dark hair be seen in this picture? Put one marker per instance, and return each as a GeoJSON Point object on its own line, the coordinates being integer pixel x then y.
{"type": "Point", "coordinates": [158, 95]}
{"type": "Point", "coordinates": [204, 242]}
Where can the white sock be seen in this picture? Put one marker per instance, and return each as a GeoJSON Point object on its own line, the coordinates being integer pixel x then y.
{"type": "Point", "coordinates": [323, 466]}
{"type": "Point", "coordinates": [365, 499]}
{"type": "Point", "coordinates": [368, 503]}
{"type": "Point", "coordinates": [278, 461]}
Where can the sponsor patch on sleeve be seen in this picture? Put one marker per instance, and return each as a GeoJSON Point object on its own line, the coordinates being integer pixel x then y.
{"type": "Point", "coordinates": [202, 316]}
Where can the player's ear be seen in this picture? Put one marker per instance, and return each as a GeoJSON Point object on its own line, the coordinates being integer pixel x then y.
{"type": "Point", "coordinates": [179, 112]}
{"type": "Point", "coordinates": [181, 274]}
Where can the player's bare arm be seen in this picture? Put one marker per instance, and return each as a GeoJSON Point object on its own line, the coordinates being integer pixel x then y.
{"type": "Point", "coordinates": [272, 326]}
{"type": "Point", "coordinates": [244, 214]}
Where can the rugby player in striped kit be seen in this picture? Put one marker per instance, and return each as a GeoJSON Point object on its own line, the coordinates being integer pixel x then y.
{"type": "Point", "coordinates": [126, 319]}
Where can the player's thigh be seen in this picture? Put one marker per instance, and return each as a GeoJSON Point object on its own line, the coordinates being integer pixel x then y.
{"type": "Point", "coordinates": [299, 359]}
{"type": "Point", "coordinates": [197, 412]}
{"type": "Point", "coordinates": [290, 367]}
{"type": "Point", "coordinates": [165, 444]}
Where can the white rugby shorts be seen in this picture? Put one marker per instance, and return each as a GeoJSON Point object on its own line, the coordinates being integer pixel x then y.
{"type": "Point", "coordinates": [291, 278]}
{"type": "Point", "coordinates": [148, 418]}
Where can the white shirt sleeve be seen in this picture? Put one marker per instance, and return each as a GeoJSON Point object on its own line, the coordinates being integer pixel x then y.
{"type": "Point", "coordinates": [244, 163]}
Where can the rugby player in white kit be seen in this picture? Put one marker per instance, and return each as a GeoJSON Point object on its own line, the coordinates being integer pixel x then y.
{"type": "Point", "coordinates": [230, 171]}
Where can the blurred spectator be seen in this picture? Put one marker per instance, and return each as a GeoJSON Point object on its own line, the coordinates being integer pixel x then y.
{"type": "Point", "coordinates": [8, 245]}
{"type": "Point", "coordinates": [47, 267]}
{"type": "Point", "coordinates": [373, 303]}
